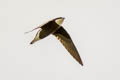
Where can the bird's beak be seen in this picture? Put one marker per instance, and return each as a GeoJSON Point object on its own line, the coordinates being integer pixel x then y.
{"type": "Point", "coordinates": [32, 42]}
{"type": "Point", "coordinates": [35, 40]}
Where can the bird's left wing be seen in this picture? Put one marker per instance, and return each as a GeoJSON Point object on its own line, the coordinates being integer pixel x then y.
{"type": "Point", "coordinates": [66, 40]}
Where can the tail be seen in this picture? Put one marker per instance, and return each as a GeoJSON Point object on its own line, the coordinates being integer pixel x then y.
{"type": "Point", "coordinates": [32, 30]}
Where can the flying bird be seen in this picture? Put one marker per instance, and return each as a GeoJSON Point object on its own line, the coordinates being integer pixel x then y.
{"type": "Point", "coordinates": [55, 28]}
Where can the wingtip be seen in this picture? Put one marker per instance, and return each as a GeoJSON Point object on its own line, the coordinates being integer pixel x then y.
{"type": "Point", "coordinates": [81, 63]}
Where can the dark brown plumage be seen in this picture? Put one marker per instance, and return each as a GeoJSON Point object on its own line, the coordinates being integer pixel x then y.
{"type": "Point", "coordinates": [66, 40]}
{"type": "Point", "coordinates": [54, 27]}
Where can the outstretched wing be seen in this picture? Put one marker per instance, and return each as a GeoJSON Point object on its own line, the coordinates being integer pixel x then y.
{"type": "Point", "coordinates": [66, 40]}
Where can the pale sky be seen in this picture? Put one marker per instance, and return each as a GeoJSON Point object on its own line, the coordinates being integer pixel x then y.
{"type": "Point", "coordinates": [94, 26]}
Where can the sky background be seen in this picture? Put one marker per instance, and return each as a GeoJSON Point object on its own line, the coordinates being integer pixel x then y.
{"type": "Point", "coordinates": [94, 26]}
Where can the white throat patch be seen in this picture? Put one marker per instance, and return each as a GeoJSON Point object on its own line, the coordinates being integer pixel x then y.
{"type": "Point", "coordinates": [59, 21]}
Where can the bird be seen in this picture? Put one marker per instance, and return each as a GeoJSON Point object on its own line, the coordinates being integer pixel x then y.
{"type": "Point", "coordinates": [55, 28]}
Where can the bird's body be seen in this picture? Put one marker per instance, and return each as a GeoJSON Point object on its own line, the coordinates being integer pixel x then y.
{"type": "Point", "coordinates": [54, 27]}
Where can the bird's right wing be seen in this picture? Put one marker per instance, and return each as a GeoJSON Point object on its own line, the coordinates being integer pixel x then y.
{"type": "Point", "coordinates": [66, 40]}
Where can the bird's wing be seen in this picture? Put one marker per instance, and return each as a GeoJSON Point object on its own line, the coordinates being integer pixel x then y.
{"type": "Point", "coordinates": [66, 40]}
